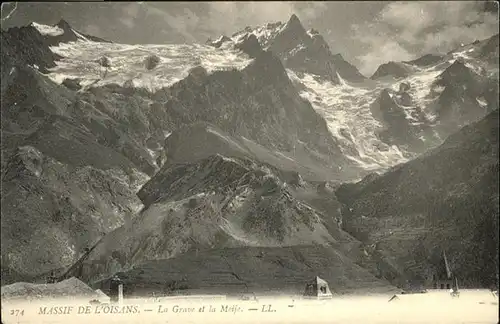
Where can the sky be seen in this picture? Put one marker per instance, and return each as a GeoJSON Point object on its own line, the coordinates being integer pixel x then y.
{"type": "Point", "coordinates": [367, 34]}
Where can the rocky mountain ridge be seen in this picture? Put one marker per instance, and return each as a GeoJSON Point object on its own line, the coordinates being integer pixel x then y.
{"type": "Point", "coordinates": [445, 200]}
{"type": "Point", "coordinates": [299, 49]}
{"type": "Point", "coordinates": [463, 90]}
{"type": "Point", "coordinates": [217, 202]}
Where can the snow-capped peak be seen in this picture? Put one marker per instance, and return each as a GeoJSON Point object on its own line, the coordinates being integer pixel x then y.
{"type": "Point", "coordinates": [47, 30]}
{"type": "Point", "coordinates": [80, 36]}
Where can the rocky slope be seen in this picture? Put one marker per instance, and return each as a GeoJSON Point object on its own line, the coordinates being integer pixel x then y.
{"type": "Point", "coordinates": [30, 44]}
{"type": "Point", "coordinates": [405, 128]}
{"type": "Point", "coordinates": [434, 96]}
{"type": "Point", "coordinates": [63, 184]}
{"type": "Point", "coordinates": [207, 139]}
{"type": "Point", "coordinates": [217, 202]}
{"type": "Point", "coordinates": [467, 95]}
{"type": "Point", "coordinates": [426, 60]}
{"type": "Point", "coordinates": [51, 210]}
{"type": "Point", "coordinates": [395, 70]}
{"type": "Point", "coordinates": [445, 200]}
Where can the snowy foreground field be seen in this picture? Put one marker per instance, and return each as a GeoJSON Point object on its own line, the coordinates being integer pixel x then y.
{"type": "Point", "coordinates": [473, 306]}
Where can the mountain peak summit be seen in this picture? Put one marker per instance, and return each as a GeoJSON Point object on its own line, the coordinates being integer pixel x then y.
{"type": "Point", "coordinates": [63, 24]}
{"type": "Point", "coordinates": [294, 18]}
{"type": "Point", "coordinates": [294, 22]}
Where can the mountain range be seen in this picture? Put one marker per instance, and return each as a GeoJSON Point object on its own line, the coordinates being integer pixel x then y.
{"type": "Point", "coordinates": [257, 159]}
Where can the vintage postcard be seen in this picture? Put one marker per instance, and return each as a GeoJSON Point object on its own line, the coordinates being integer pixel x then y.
{"type": "Point", "coordinates": [249, 162]}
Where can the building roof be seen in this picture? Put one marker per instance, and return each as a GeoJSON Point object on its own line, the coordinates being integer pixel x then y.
{"type": "Point", "coordinates": [100, 294]}
{"type": "Point", "coordinates": [318, 281]}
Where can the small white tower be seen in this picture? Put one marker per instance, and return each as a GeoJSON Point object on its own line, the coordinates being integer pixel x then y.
{"type": "Point", "coordinates": [120, 294]}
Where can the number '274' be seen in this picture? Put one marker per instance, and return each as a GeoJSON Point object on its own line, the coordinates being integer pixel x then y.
{"type": "Point", "coordinates": [17, 312]}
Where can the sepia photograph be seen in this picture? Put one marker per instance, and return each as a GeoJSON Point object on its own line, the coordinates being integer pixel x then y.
{"type": "Point", "coordinates": [271, 162]}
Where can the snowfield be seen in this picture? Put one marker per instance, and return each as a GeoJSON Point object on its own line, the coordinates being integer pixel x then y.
{"type": "Point", "coordinates": [127, 63]}
{"type": "Point", "coordinates": [48, 30]}
{"type": "Point", "coordinates": [420, 88]}
{"type": "Point", "coordinates": [264, 34]}
{"type": "Point", "coordinates": [346, 110]}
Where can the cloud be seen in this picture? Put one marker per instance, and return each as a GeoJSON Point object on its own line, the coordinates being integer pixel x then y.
{"type": "Point", "coordinates": [198, 21]}
{"type": "Point", "coordinates": [229, 17]}
{"type": "Point", "coordinates": [406, 30]}
{"type": "Point", "coordinates": [130, 13]}
{"type": "Point", "coordinates": [183, 22]}
{"type": "Point", "coordinates": [388, 50]}
{"type": "Point", "coordinates": [93, 30]}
